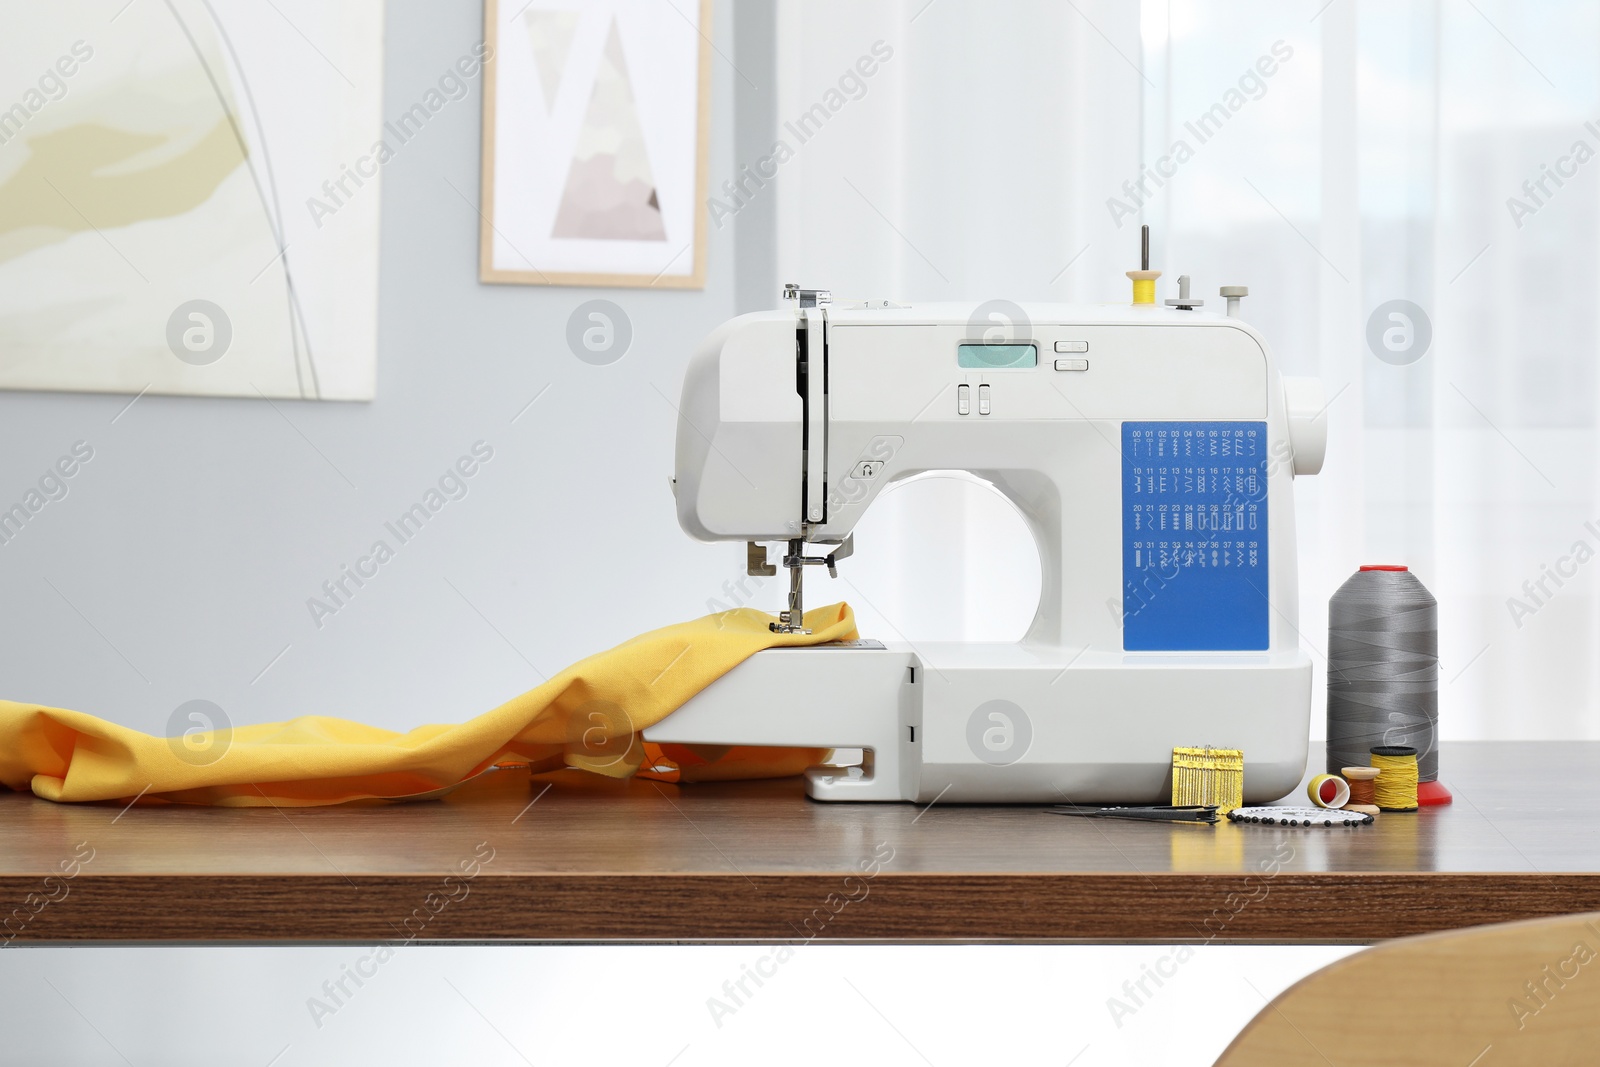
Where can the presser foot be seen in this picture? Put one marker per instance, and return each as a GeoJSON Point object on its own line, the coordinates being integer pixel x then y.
{"type": "Point", "coordinates": [792, 619]}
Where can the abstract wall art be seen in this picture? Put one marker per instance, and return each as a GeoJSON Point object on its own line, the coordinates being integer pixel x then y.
{"type": "Point", "coordinates": [179, 211]}
{"type": "Point", "coordinates": [595, 132]}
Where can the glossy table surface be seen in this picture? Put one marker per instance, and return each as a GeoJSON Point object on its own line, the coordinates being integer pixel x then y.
{"type": "Point", "coordinates": [573, 857]}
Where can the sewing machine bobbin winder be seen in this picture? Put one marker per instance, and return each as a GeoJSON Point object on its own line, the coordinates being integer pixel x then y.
{"type": "Point", "coordinates": [1151, 451]}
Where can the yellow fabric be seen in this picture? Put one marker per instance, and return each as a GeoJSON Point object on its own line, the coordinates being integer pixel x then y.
{"type": "Point", "coordinates": [588, 716]}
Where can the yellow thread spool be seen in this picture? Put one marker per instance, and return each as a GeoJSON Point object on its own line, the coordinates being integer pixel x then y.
{"type": "Point", "coordinates": [1144, 285]}
{"type": "Point", "coordinates": [1328, 791]}
{"type": "Point", "coordinates": [1208, 776]}
{"type": "Point", "coordinates": [1396, 785]}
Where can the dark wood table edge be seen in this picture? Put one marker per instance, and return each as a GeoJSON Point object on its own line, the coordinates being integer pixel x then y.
{"type": "Point", "coordinates": [712, 907]}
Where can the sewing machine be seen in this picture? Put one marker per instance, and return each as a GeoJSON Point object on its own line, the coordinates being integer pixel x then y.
{"type": "Point", "coordinates": [1151, 451]}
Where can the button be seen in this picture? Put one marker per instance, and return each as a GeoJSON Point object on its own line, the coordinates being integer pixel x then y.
{"type": "Point", "coordinates": [867, 468]}
{"type": "Point", "coordinates": [1072, 364]}
{"type": "Point", "coordinates": [1072, 346]}
{"type": "Point", "coordinates": [963, 400]}
{"type": "Point", "coordinates": [983, 400]}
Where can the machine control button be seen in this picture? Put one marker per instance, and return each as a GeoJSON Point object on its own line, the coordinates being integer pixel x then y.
{"type": "Point", "coordinates": [963, 400]}
{"type": "Point", "coordinates": [867, 468]}
{"type": "Point", "coordinates": [1072, 346]}
{"type": "Point", "coordinates": [983, 400]}
{"type": "Point", "coordinates": [1072, 364]}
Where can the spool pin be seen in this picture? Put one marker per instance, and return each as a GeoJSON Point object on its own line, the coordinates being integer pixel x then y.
{"type": "Point", "coordinates": [1144, 279]}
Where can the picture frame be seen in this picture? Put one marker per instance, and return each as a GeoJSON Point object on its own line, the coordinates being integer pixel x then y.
{"type": "Point", "coordinates": [596, 138]}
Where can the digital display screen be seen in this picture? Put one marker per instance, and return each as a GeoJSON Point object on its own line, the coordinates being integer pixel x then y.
{"type": "Point", "coordinates": [988, 357]}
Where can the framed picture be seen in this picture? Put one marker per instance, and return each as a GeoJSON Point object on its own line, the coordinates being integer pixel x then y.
{"type": "Point", "coordinates": [189, 197]}
{"type": "Point", "coordinates": [595, 135]}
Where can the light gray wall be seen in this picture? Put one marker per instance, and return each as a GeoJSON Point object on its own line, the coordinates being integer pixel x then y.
{"type": "Point", "coordinates": [755, 126]}
{"type": "Point", "coordinates": [180, 563]}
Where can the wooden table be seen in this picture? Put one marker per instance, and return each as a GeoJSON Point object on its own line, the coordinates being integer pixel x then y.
{"type": "Point", "coordinates": [572, 857]}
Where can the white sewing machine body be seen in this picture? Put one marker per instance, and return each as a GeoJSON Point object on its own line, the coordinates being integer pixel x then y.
{"type": "Point", "coordinates": [1151, 452]}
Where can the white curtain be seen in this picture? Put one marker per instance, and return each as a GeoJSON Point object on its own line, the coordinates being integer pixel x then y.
{"type": "Point", "coordinates": [1334, 157]}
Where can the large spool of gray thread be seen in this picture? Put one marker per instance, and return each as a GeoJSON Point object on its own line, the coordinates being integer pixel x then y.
{"type": "Point", "coordinates": [1383, 669]}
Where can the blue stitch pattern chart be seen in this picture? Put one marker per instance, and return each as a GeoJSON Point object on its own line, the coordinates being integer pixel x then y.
{"type": "Point", "coordinates": [1194, 536]}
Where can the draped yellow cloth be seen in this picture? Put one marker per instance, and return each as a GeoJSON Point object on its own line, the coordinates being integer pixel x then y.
{"type": "Point", "coordinates": [588, 716]}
